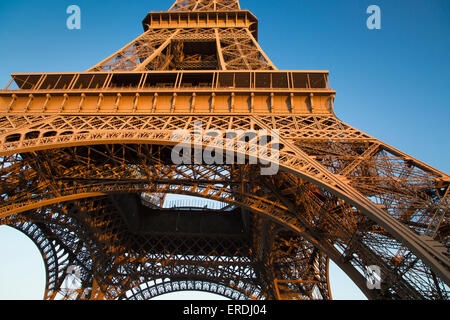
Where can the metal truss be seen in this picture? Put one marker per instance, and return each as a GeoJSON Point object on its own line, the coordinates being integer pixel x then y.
{"type": "Point", "coordinates": [205, 5]}
{"type": "Point", "coordinates": [186, 39]}
{"type": "Point", "coordinates": [376, 243]}
{"type": "Point", "coordinates": [85, 164]}
{"type": "Point", "coordinates": [167, 49]}
{"type": "Point", "coordinates": [123, 261]}
{"type": "Point", "coordinates": [157, 288]}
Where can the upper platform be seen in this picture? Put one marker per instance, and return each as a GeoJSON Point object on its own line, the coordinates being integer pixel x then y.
{"type": "Point", "coordinates": [205, 5]}
{"type": "Point", "coordinates": [202, 19]}
{"type": "Point", "coordinates": [165, 92]}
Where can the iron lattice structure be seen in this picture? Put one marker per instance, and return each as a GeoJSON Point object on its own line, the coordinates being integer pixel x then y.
{"type": "Point", "coordinates": [86, 164]}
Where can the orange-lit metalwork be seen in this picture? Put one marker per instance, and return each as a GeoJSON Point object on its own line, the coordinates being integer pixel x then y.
{"type": "Point", "coordinates": [86, 164]}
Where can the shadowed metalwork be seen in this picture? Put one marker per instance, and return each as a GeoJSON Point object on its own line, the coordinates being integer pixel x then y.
{"type": "Point", "coordinates": [85, 162]}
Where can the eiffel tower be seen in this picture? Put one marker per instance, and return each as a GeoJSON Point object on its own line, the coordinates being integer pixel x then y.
{"type": "Point", "coordinates": [86, 164]}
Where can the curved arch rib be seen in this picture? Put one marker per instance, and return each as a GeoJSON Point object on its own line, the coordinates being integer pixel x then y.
{"type": "Point", "coordinates": [291, 159]}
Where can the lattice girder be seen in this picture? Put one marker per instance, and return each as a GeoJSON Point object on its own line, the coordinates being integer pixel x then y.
{"type": "Point", "coordinates": [290, 158]}
{"type": "Point", "coordinates": [234, 49]}
{"type": "Point", "coordinates": [205, 5]}
{"type": "Point", "coordinates": [231, 36]}
{"type": "Point", "coordinates": [74, 146]}
{"type": "Point", "coordinates": [98, 174]}
{"type": "Point", "coordinates": [125, 262]}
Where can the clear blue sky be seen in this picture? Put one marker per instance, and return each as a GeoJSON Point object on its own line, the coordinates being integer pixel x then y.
{"type": "Point", "coordinates": [391, 83]}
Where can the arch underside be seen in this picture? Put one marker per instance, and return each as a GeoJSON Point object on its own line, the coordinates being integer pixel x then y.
{"type": "Point", "coordinates": [158, 288]}
{"type": "Point", "coordinates": [70, 234]}
{"type": "Point", "coordinates": [72, 162]}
